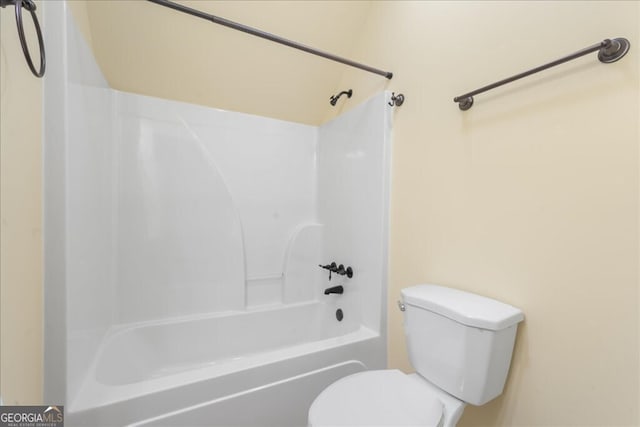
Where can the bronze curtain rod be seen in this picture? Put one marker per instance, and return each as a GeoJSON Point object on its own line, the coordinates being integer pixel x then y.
{"type": "Point", "coordinates": [608, 51]}
{"type": "Point", "coordinates": [268, 36]}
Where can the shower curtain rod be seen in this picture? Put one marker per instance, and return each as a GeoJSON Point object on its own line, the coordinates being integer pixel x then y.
{"type": "Point", "coordinates": [608, 51]}
{"type": "Point", "coordinates": [268, 36]}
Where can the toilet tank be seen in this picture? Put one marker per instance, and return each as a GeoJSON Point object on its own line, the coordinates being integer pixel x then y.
{"type": "Point", "coordinates": [458, 341]}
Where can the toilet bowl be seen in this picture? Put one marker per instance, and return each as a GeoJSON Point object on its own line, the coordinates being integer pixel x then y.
{"type": "Point", "coordinates": [386, 398]}
{"type": "Point", "coordinates": [460, 345]}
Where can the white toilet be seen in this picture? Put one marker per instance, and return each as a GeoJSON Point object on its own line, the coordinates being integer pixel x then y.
{"type": "Point", "coordinates": [460, 345]}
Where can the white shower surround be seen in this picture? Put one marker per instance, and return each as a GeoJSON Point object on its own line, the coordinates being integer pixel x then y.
{"type": "Point", "coordinates": [185, 224]}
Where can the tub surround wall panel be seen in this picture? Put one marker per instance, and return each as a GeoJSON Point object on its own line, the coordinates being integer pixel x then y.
{"type": "Point", "coordinates": [238, 184]}
{"type": "Point", "coordinates": [302, 276]}
{"type": "Point", "coordinates": [353, 192]}
{"type": "Point", "coordinates": [90, 227]}
{"type": "Point", "coordinates": [54, 378]}
{"type": "Point", "coordinates": [180, 248]}
{"type": "Point", "coordinates": [201, 203]}
{"type": "Point", "coordinates": [177, 224]}
{"type": "Point", "coordinates": [79, 221]}
{"type": "Point", "coordinates": [90, 207]}
{"type": "Point", "coordinates": [269, 167]}
{"type": "Point", "coordinates": [54, 202]}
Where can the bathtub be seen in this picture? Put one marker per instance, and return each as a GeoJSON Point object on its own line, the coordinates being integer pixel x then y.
{"type": "Point", "coordinates": [208, 370]}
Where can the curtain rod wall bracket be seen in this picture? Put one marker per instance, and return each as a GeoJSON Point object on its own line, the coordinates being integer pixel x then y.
{"type": "Point", "coordinates": [609, 50]}
{"type": "Point", "coordinates": [465, 103]}
{"type": "Point", "coordinates": [396, 100]}
{"type": "Point", "coordinates": [613, 50]}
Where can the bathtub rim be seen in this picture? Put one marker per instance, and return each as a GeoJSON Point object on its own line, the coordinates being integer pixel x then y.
{"type": "Point", "coordinates": [153, 338]}
{"type": "Point", "coordinates": [95, 395]}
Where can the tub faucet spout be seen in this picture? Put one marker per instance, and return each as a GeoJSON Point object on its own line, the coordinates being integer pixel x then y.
{"type": "Point", "coordinates": [334, 290]}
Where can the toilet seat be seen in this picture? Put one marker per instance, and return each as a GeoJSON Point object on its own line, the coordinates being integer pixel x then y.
{"type": "Point", "coordinates": [377, 398]}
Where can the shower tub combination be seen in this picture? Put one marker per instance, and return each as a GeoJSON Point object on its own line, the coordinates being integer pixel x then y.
{"type": "Point", "coordinates": [190, 292]}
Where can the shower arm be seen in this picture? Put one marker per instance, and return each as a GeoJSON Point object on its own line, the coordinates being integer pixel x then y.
{"type": "Point", "coordinates": [334, 99]}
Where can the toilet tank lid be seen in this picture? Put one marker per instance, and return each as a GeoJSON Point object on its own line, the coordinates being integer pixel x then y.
{"type": "Point", "coordinates": [463, 307]}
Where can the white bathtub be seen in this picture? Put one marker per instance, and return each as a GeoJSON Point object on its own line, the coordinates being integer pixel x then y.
{"type": "Point", "coordinates": [260, 367]}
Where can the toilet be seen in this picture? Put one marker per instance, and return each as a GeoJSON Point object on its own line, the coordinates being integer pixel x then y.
{"type": "Point", "coordinates": [460, 345]}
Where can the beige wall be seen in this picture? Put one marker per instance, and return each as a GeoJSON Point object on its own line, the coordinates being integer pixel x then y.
{"type": "Point", "coordinates": [20, 220]}
{"type": "Point", "coordinates": [160, 52]}
{"type": "Point", "coordinates": [530, 197]}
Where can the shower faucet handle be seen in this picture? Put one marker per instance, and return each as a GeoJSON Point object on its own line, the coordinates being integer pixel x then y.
{"type": "Point", "coordinates": [345, 272]}
{"type": "Point", "coordinates": [338, 269]}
